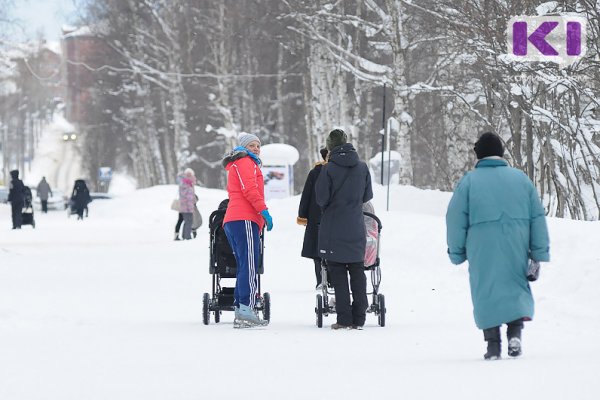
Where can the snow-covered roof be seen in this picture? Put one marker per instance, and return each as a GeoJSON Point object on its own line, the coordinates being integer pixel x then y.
{"type": "Point", "coordinates": [81, 31]}
{"type": "Point", "coordinates": [279, 153]}
{"type": "Point", "coordinates": [93, 30]}
{"type": "Point", "coordinates": [54, 46]}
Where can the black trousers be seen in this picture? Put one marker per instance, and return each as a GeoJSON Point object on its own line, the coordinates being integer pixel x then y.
{"type": "Point", "coordinates": [355, 313]}
{"type": "Point", "coordinates": [45, 206]}
{"type": "Point", "coordinates": [513, 329]}
{"type": "Point", "coordinates": [17, 218]}
{"type": "Point", "coordinates": [318, 270]}
{"type": "Point", "coordinates": [178, 224]}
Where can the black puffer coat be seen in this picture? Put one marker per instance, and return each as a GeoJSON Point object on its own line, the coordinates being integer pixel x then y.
{"type": "Point", "coordinates": [16, 193]}
{"type": "Point", "coordinates": [342, 187]}
{"type": "Point", "coordinates": [81, 195]}
{"type": "Point", "coordinates": [310, 210]}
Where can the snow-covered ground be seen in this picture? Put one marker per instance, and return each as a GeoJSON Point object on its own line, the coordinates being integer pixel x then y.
{"type": "Point", "coordinates": [110, 308]}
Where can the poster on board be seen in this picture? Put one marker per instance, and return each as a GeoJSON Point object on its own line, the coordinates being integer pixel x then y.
{"type": "Point", "coordinates": [277, 181]}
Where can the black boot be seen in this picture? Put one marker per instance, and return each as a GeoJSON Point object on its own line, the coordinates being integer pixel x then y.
{"type": "Point", "coordinates": [513, 334]}
{"type": "Point", "coordinates": [492, 337]}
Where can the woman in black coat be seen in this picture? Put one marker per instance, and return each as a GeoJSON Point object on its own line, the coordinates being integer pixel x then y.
{"type": "Point", "coordinates": [16, 198]}
{"type": "Point", "coordinates": [309, 214]}
{"type": "Point", "coordinates": [80, 197]}
{"type": "Point", "coordinates": [343, 186]}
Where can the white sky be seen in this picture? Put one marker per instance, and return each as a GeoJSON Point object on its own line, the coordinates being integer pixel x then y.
{"type": "Point", "coordinates": [47, 16]}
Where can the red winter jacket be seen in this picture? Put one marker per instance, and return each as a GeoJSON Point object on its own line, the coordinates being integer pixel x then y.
{"type": "Point", "coordinates": [246, 189]}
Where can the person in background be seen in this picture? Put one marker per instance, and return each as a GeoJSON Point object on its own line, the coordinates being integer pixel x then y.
{"type": "Point", "coordinates": [196, 221]}
{"type": "Point", "coordinates": [309, 215]}
{"type": "Point", "coordinates": [496, 221]}
{"type": "Point", "coordinates": [16, 198]}
{"type": "Point", "coordinates": [187, 201]}
{"type": "Point", "coordinates": [244, 219]}
{"type": "Point", "coordinates": [342, 188]}
{"type": "Point", "coordinates": [80, 198]}
{"type": "Point", "coordinates": [43, 190]}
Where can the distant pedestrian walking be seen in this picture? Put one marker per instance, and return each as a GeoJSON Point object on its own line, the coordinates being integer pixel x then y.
{"type": "Point", "coordinates": [43, 190]}
{"type": "Point", "coordinates": [187, 201]}
{"type": "Point", "coordinates": [16, 197]}
{"type": "Point", "coordinates": [80, 198]}
{"type": "Point", "coordinates": [344, 184]}
{"type": "Point", "coordinates": [196, 219]}
{"type": "Point", "coordinates": [309, 215]}
{"type": "Point", "coordinates": [496, 221]}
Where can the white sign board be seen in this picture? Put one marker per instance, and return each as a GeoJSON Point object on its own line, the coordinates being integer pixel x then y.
{"type": "Point", "coordinates": [278, 169]}
{"type": "Point", "coordinates": [278, 181]}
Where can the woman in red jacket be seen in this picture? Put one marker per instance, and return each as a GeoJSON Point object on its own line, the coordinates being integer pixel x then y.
{"type": "Point", "coordinates": [244, 219]}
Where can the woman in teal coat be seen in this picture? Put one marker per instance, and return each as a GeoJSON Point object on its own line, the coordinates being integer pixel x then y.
{"type": "Point", "coordinates": [496, 221]}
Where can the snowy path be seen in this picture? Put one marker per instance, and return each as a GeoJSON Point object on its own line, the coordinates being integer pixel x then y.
{"type": "Point", "coordinates": [59, 161]}
{"type": "Point", "coordinates": [66, 172]}
{"type": "Point", "coordinates": [110, 308]}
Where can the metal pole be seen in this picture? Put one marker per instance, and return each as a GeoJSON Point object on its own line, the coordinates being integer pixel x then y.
{"type": "Point", "coordinates": [383, 127]}
{"type": "Point", "coordinates": [389, 163]}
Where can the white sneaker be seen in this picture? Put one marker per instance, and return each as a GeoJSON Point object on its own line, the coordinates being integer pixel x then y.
{"type": "Point", "coordinates": [247, 318]}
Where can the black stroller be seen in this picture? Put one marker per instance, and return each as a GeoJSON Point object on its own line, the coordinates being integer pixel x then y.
{"type": "Point", "coordinates": [27, 217]}
{"type": "Point", "coordinates": [222, 265]}
{"type": "Point", "coordinates": [377, 306]}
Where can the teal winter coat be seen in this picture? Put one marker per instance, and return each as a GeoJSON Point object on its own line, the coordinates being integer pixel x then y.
{"type": "Point", "coordinates": [496, 221]}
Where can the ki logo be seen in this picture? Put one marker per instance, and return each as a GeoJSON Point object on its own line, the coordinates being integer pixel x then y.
{"type": "Point", "coordinates": [560, 39]}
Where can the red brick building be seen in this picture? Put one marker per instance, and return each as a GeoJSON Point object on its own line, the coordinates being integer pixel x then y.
{"type": "Point", "coordinates": [84, 53]}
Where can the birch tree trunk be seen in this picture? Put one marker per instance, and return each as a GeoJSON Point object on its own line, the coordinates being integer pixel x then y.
{"type": "Point", "coordinates": [403, 143]}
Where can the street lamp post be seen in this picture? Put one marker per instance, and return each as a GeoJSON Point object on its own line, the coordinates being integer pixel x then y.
{"type": "Point", "coordinates": [383, 128]}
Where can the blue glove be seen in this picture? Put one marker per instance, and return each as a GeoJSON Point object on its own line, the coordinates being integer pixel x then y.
{"type": "Point", "coordinates": [268, 219]}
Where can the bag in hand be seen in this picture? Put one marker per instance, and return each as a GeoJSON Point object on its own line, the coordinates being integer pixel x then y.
{"type": "Point", "coordinates": [533, 271]}
{"type": "Point", "coordinates": [175, 205]}
{"type": "Point", "coordinates": [196, 219]}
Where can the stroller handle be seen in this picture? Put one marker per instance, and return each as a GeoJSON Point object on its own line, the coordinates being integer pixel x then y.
{"type": "Point", "coordinates": [368, 214]}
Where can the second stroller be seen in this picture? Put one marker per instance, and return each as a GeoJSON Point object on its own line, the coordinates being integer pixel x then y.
{"type": "Point", "coordinates": [325, 307]}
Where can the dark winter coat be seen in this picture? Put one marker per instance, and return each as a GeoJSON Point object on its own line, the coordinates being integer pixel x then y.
{"type": "Point", "coordinates": [344, 184]}
{"type": "Point", "coordinates": [496, 221]}
{"type": "Point", "coordinates": [81, 195]}
{"type": "Point", "coordinates": [16, 193]}
{"type": "Point", "coordinates": [311, 212]}
{"type": "Point", "coordinates": [43, 190]}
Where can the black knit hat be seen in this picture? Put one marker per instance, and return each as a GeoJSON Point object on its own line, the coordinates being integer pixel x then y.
{"type": "Point", "coordinates": [337, 137]}
{"type": "Point", "coordinates": [488, 145]}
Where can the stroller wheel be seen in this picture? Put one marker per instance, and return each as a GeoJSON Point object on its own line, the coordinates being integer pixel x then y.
{"type": "Point", "coordinates": [266, 307]}
{"type": "Point", "coordinates": [205, 309]}
{"type": "Point", "coordinates": [319, 311]}
{"type": "Point", "coordinates": [381, 309]}
{"type": "Point", "coordinates": [217, 316]}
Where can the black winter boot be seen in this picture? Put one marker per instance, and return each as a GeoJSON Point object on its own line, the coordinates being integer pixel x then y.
{"type": "Point", "coordinates": [492, 337]}
{"type": "Point", "coordinates": [513, 334]}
